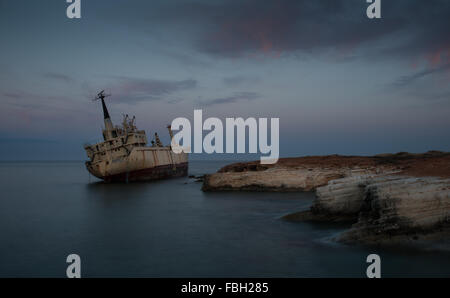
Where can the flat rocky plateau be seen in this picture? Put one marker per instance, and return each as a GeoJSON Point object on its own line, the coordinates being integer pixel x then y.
{"type": "Point", "coordinates": [388, 197]}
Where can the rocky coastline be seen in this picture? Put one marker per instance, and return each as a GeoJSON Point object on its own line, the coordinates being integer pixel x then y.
{"type": "Point", "coordinates": [387, 198]}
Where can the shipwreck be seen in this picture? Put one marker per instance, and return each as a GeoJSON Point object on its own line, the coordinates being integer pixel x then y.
{"type": "Point", "coordinates": [124, 156]}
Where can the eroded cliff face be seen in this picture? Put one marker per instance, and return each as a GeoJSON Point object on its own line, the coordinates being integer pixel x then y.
{"type": "Point", "coordinates": [273, 179]}
{"type": "Point", "coordinates": [384, 208]}
{"type": "Point", "coordinates": [402, 209]}
{"type": "Point", "coordinates": [387, 197]}
{"type": "Point", "coordinates": [341, 199]}
{"type": "Point", "coordinates": [308, 173]}
{"type": "Point", "coordinates": [281, 178]}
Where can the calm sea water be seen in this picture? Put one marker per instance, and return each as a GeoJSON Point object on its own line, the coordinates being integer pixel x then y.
{"type": "Point", "coordinates": [170, 228]}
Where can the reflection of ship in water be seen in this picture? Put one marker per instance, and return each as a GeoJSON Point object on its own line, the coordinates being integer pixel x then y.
{"type": "Point", "coordinates": [124, 155]}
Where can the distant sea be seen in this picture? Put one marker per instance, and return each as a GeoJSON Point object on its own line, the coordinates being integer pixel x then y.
{"type": "Point", "coordinates": [170, 228]}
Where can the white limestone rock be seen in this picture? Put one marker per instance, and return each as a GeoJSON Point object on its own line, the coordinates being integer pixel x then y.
{"type": "Point", "coordinates": [407, 208]}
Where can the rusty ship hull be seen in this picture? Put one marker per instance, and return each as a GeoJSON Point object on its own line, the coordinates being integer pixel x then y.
{"type": "Point", "coordinates": [143, 164]}
{"type": "Point", "coordinates": [156, 173]}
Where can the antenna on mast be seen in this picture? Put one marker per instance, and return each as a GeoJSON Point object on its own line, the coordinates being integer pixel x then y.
{"type": "Point", "coordinates": [101, 96]}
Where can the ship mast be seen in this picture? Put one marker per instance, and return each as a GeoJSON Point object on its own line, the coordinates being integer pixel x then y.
{"type": "Point", "coordinates": [108, 123]}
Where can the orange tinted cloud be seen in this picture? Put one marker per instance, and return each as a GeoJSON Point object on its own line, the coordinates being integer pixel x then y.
{"type": "Point", "coordinates": [439, 57]}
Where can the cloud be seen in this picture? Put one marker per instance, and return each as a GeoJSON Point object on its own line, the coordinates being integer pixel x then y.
{"type": "Point", "coordinates": [58, 76]}
{"type": "Point", "coordinates": [409, 29]}
{"type": "Point", "coordinates": [35, 101]}
{"type": "Point", "coordinates": [13, 95]}
{"type": "Point", "coordinates": [240, 80]}
{"type": "Point", "coordinates": [236, 97]}
{"type": "Point", "coordinates": [135, 90]}
{"type": "Point", "coordinates": [445, 96]}
{"type": "Point", "coordinates": [410, 79]}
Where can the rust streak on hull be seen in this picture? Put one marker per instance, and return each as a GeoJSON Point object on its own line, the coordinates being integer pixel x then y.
{"type": "Point", "coordinates": [155, 173]}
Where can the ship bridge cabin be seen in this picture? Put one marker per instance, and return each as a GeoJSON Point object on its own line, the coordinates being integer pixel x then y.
{"type": "Point", "coordinates": [118, 140]}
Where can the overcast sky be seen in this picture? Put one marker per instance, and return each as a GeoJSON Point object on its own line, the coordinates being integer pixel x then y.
{"type": "Point", "coordinates": [339, 82]}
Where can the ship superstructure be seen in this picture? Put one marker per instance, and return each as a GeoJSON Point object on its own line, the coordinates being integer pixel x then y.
{"type": "Point", "coordinates": [123, 155]}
